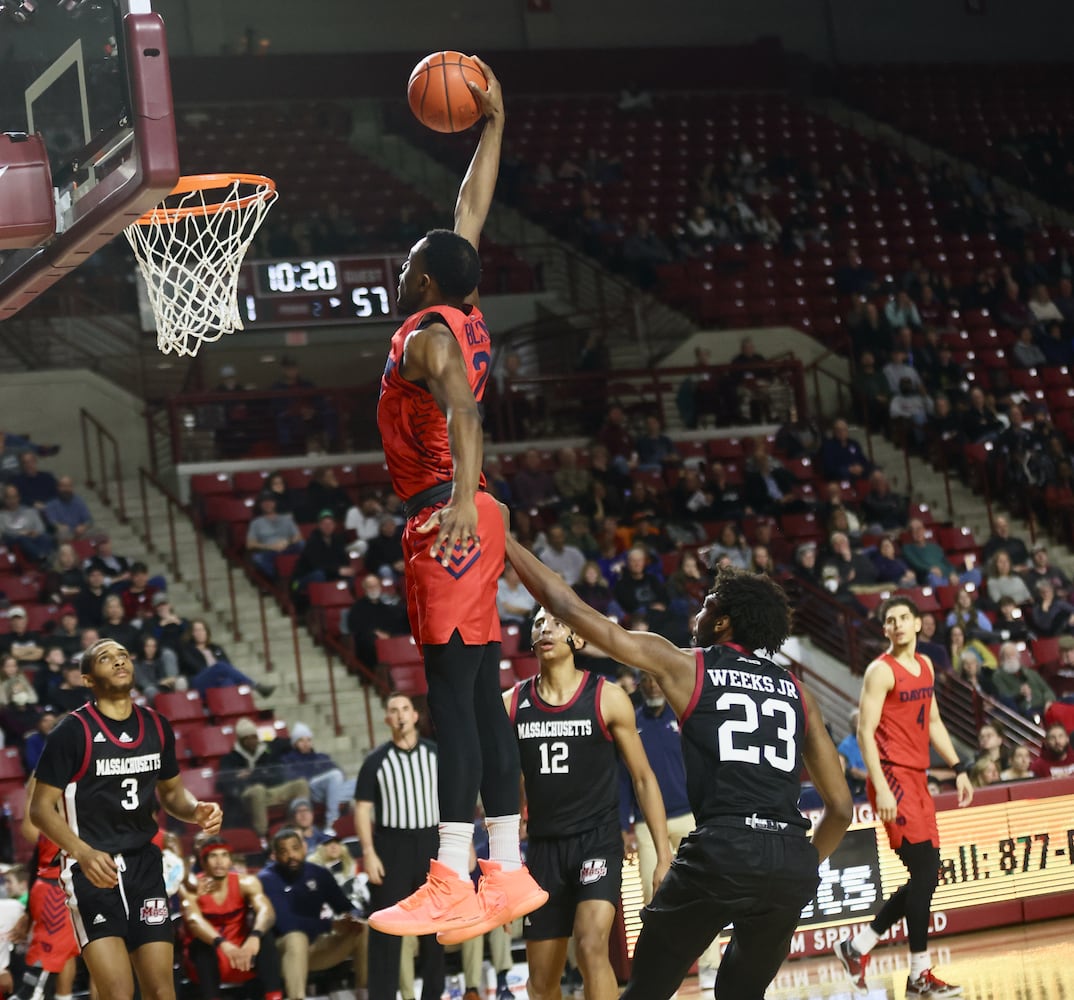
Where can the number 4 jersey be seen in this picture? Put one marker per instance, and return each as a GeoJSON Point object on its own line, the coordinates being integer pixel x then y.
{"type": "Point", "coordinates": [569, 760]}
{"type": "Point", "coordinates": [742, 738]}
{"type": "Point", "coordinates": [108, 770]}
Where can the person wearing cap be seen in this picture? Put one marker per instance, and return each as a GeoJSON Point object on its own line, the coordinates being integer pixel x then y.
{"type": "Point", "coordinates": [67, 635]}
{"type": "Point", "coordinates": [300, 819]}
{"type": "Point", "coordinates": [271, 534]}
{"type": "Point", "coordinates": [164, 624]}
{"type": "Point", "coordinates": [333, 855]}
{"type": "Point", "coordinates": [317, 926]}
{"type": "Point", "coordinates": [26, 646]}
{"type": "Point", "coordinates": [229, 918]}
{"type": "Point", "coordinates": [326, 780]}
{"type": "Point", "coordinates": [1040, 568]}
{"type": "Point", "coordinates": [325, 556]}
{"type": "Point", "coordinates": [250, 780]}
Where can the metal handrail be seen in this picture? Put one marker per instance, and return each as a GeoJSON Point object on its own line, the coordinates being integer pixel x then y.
{"type": "Point", "coordinates": [103, 435]}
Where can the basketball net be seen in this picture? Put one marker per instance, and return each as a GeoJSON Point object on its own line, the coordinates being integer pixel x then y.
{"type": "Point", "coordinates": [189, 250]}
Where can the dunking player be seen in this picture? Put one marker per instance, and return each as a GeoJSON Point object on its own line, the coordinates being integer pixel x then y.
{"type": "Point", "coordinates": [747, 726]}
{"type": "Point", "coordinates": [571, 726]}
{"type": "Point", "coordinates": [453, 544]}
{"type": "Point", "coordinates": [898, 719]}
{"type": "Point", "coordinates": [50, 959]}
{"type": "Point", "coordinates": [104, 762]}
{"type": "Point", "coordinates": [228, 946]}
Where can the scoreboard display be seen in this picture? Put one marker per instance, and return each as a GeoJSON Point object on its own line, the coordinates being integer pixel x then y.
{"type": "Point", "coordinates": [1008, 858]}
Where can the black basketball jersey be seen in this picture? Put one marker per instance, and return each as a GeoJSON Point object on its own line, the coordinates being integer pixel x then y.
{"type": "Point", "coordinates": [742, 738]}
{"type": "Point", "coordinates": [569, 760]}
{"type": "Point", "coordinates": [108, 771]}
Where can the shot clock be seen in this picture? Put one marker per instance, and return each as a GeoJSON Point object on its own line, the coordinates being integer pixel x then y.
{"type": "Point", "coordinates": [316, 291]}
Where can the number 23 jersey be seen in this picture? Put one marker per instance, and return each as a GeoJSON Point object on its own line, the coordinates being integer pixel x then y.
{"type": "Point", "coordinates": [742, 738]}
{"type": "Point", "coordinates": [108, 771]}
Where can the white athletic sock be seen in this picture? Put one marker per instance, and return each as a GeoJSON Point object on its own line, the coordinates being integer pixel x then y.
{"type": "Point", "coordinates": [63, 996]}
{"type": "Point", "coordinates": [455, 841]}
{"type": "Point", "coordinates": [864, 941]}
{"type": "Point", "coordinates": [919, 962]}
{"type": "Point", "coordinates": [503, 841]}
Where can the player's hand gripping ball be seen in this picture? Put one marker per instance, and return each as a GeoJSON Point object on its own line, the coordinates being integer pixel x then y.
{"type": "Point", "coordinates": [439, 94]}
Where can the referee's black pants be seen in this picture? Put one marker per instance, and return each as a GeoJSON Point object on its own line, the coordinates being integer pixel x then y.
{"type": "Point", "coordinates": [405, 855]}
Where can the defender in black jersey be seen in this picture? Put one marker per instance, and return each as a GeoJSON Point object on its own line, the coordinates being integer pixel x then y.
{"type": "Point", "coordinates": [96, 783]}
{"type": "Point", "coordinates": [571, 728]}
{"type": "Point", "coordinates": [747, 727]}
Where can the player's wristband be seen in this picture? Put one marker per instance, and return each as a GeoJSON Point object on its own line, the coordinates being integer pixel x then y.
{"type": "Point", "coordinates": [218, 940]}
{"type": "Point", "coordinates": [961, 767]}
{"type": "Point", "coordinates": [257, 934]}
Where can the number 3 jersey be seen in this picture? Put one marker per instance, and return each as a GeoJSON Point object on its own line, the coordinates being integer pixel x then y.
{"type": "Point", "coordinates": [414, 431]}
{"type": "Point", "coordinates": [569, 760]}
{"type": "Point", "coordinates": [108, 771]}
{"type": "Point", "coordinates": [742, 738]}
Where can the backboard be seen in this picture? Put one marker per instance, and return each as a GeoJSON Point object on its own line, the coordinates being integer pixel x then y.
{"type": "Point", "coordinates": [92, 77]}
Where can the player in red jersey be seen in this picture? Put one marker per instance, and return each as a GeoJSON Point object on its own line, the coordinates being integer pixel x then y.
{"type": "Point", "coordinates": [898, 720]}
{"type": "Point", "coordinates": [217, 916]}
{"type": "Point", "coordinates": [50, 957]}
{"type": "Point", "coordinates": [453, 543]}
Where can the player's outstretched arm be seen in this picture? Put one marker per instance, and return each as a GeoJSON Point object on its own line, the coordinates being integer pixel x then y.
{"type": "Point", "coordinates": [618, 712]}
{"type": "Point", "coordinates": [475, 194]}
{"type": "Point", "coordinates": [673, 668]}
{"type": "Point", "coordinates": [178, 802]}
{"type": "Point", "coordinates": [826, 771]}
{"type": "Point", "coordinates": [433, 355]}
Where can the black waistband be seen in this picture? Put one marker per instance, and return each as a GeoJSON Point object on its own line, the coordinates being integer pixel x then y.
{"type": "Point", "coordinates": [427, 498]}
{"type": "Point", "coordinates": [758, 823]}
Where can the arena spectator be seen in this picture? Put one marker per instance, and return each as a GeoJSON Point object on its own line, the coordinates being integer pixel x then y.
{"type": "Point", "coordinates": [11, 675]}
{"type": "Point", "coordinates": [333, 855]}
{"type": "Point", "coordinates": [990, 745]}
{"type": "Point", "coordinates": [300, 819]}
{"type": "Point", "coordinates": [688, 585]}
{"type": "Point", "coordinates": [1021, 766]}
{"type": "Point", "coordinates": [929, 645]}
{"type": "Point", "coordinates": [156, 669]}
{"type": "Point", "coordinates": [889, 568]}
{"type": "Point", "coordinates": [1060, 675]}
{"type": "Point", "coordinates": [317, 927]}
{"type": "Point", "coordinates": [926, 558]}
{"type": "Point", "coordinates": [116, 626]}
{"type": "Point", "coordinates": [980, 422]}
{"type": "Point", "coordinates": [653, 447]}
{"type": "Point", "coordinates": [1010, 624]}
{"type": "Point", "coordinates": [385, 550]}
{"type": "Point", "coordinates": [66, 635]}
{"type": "Point", "coordinates": [617, 440]}
{"type": "Point", "coordinates": [1049, 615]}
{"type": "Point", "coordinates": [1040, 568]}
{"type": "Point", "coordinates": [984, 772]}
{"type": "Point", "coordinates": [769, 488]}
{"type": "Point", "coordinates": [72, 692]}
{"type": "Point", "coordinates": [852, 569]}
{"type": "Point", "coordinates": [564, 559]}
{"type": "Point", "coordinates": [900, 311]}
{"type": "Point", "coordinates": [1056, 345]}
{"type": "Point", "coordinates": [1026, 352]}
{"type": "Point", "coordinates": [909, 412]}
{"type": "Point", "coordinates": [206, 665]}
{"type": "Point", "coordinates": [270, 534]}
{"type": "Point", "coordinates": [642, 252]}
{"type": "Point", "coordinates": [36, 486]}
{"type": "Point", "coordinates": [67, 512]}
{"type": "Point", "coordinates": [1042, 307]}
{"type": "Point", "coordinates": [1002, 538]}
{"type": "Point", "coordinates": [639, 591]}
{"type": "Point", "coordinates": [26, 645]}
{"type": "Point", "coordinates": [1020, 687]}
{"type": "Point", "coordinates": [89, 604]}
{"type": "Point", "coordinates": [22, 528]}
{"type": "Point", "coordinates": [288, 501]}
{"type": "Point", "coordinates": [571, 483]}
{"type": "Point", "coordinates": [35, 740]}
{"type": "Point", "coordinates": [805, 564]}
{"type": "Point", "coordinates": [114, 568]}
{"type": "Point", "coordinates": [377, 614]}
{"type": "Point", "coordinates": [1002, 582]}
{"type": "Point", "coordinates": [325, 493]}
{"type": "Point", "coordinates": [1056, 758]}
{"type": "Point", "coordinates": [138, 596]}
{"type": "Point", "coordinates": [250, 780]}
{"type": "Point", "coordinates": [364, 520]}
{"type": "Point", "coordinates": [841, 457]}
{"type": "Point", "coordinates": [328, 785]}
{"type": "Point", "coordinates": [48, 675]}
{"type": "Point", "coordinates": [19, 715]}
{"type": "Point", "coordinates": [65, 579]}
{"type": "Point", "coordinates": [592, 588]}
{"type": "Point", "coordinates": [883, 508]}
{"type": "Point", "coordinates": [164, 624]}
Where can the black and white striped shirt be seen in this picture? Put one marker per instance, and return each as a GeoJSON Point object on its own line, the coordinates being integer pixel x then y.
{"type": "Point", "coordinates": [402, 785]}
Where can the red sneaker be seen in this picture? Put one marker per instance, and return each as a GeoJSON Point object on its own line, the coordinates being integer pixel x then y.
{"type": "Point", "coordinates": [501, 897]}
{"type": "Point", "coordinates": [443, 902]}
{"type": "Point", "coordinates": [854, 963]}
{"type": "Point", "coordinates": [927, 985]}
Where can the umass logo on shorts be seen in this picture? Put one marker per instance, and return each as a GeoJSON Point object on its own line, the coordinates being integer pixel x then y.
{"type": "Point", "coordinates": [593, 870]}
{"type": "Point", "coordinates": [462, 559]}
{"type": "Point", "coordinates": [154, 911]}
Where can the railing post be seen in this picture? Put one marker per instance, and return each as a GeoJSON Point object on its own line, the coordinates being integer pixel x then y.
{"type": "Point", "coordinates": [105, 498]}
{"type": "Point", "coordinates": [176, 568]}
{"type": "Point", "coordinates": [369, 714]}
{"type": "Point", "coordinates": [298, 660]}
{"type": "Point", "coordinates": [269, 665]}
{"type": "Point", "coordinates": [86, 460]}
{"type": "Point", "coordinates": [147, 521]}
{"type": "Point", "coordinates": [236, 632]}
{"type": "Point", "coordinates": [332, 690]}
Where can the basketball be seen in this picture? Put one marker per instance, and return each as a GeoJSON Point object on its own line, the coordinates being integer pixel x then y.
{"type": "Point", "coordinates": [438, 93]}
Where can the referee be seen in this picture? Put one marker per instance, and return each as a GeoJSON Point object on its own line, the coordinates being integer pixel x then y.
{"type": "Point", "coordinates": [398, 783]}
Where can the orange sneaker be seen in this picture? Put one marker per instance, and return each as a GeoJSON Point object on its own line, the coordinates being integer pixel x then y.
{"type": "Point", "coordinates": [501, 897]}
{"type": "Point", "coordinates": [444, 902]}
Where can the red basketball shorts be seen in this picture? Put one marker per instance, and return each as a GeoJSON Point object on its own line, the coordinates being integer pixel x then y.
{"type": "Point", "coordinates": [461, 595]}
{"type": "Point", "coordinates": [915, 821]}
{"type": "Point", "coordinates": [52, 942]}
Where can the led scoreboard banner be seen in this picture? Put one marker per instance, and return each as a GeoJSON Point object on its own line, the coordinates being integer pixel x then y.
{"type": "Point", "coordinates": [315, 291]}
{"type": "Point", "coordinates": [1008, 858]}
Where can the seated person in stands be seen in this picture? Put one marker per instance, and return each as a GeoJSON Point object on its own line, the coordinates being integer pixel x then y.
{"type": "Point", "coordinates": [114, 569]}
{"type": "Point", "coordinates": [984, 772]}
{"type": "Point", "coordinates": [926, 558]}
{"type": "Point", "coordinates": [333, 855]}
{"type": "Point", "coordinates": [1002, 581]}
{"type": "Point", "coordinates": [250, 779]}
{"type": "Point", "coordinates": [300, 819]}
{"type": "Point", "coordinates": [36, 486]}
{"type": "Point", "coordinates": [654, 448]}
{"type": "Point", "coordinates": [1040, 568]}
{"type": "Point", "coordinates": [328, 785]}
{"type": "Point", "coordinates": [929, 645]}
{"type": "Point", "coordinates": [805, 564]}
{"type": "Point", "coordinates": [514, 603]}
{"type": "Point", "coordinates": [115, 625]}
{"type": "Point", "coordinates": [325, 493]}
{"type": "Point", "coordinates": [1021, 766]}
{"type": "Point", "coordinates": [35, 741]}
{"type": "Point", "coordinates": [689, 584]}
{"type": "Point", "coordinates": [889, 567]}
{"type": "Point", "coordinates": [1056, 758]}
{"type": "Point", "coordinates": [19, 716]}
{"type": "Point", "coordinates": [303, 895]}
{"type": "Point", "coordinates": [65, 579]}
{"type": "Point", "coordinates": [67, 512]}
{"type": "Point", "coordinates": [22, 528]}
{"type": "Point", "coordinates": [969, 668]}
{"type": "Point", "coordinates": [67, 635]}
{"type": "Point", "coordinates": [49, 675]}
{"type": "Point", "coordinates": [1060, 675]}
{"type": "Point", "coordinates": [89, 604]}
{"type": "Point", "coordinates": [854, 570]}
{"type": "Point", "coordinates": [990, 746]}
{"type": "Point", "coordinates": [1049, 615]}
{"type": "Point", "coordinates": [1002, 538]}
{"type": "Point", "coordinates": [972, 620]}
{"type": "Point", "coordinates": [730, 542]}
{"type": "Point", "coordinates": [165, 625]}
{"type": "Point", "coordinates": [1020, 687]}
{"type": "Point", "coordinates": [72, 693]}
{"type": "Point", "coordinates": [271, 534]}
{"type": "Point", "coordinates": [138, 596]}
{"type": "Point", "coordinates": [571, 482]}
{"type": "Point", "coordinates": [156, 669]}
{"type": "Point", "coordinates": [850, 755]}
{"type": "Point", "coordinates": [230, 919]}
{"type": "Point", "coordinates": [377, 614]}
{"type": "Point", "coordinates": [768, 487]}
{"type": "Point", "coordinates": [206, 665]}
{"type": "Point", "coordinates": [26, 646]}
{"type": "Point", "coordinates": [364, 520]}
{"type": "Point", "coordinates": [1011, 624]}
{"type": "Point", "coordinates": [841, 456]}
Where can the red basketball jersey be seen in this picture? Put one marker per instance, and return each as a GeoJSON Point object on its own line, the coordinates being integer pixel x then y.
{"type": "Point", "coordinates": [49, 858]}
{"type": "Point", "coordinates": [902, 736]}
{"type": "Point", "coordinates": [229, 915]}
{"type": "Point", "coordinates": [413, 429]}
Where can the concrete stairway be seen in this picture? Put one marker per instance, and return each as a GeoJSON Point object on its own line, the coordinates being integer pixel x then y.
{"type": "Point", "coordinates": [248, 652]}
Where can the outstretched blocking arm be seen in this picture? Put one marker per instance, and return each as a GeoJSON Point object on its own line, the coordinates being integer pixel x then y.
{"type": "Point", "coordinates": [475, 194]}
{"type": "Point", "coordinates": [673, 668]}
{"type": "Point", "coordinates": [826, 771]}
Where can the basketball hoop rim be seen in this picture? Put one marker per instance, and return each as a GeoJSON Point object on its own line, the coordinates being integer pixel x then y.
{"type": "Point", "coordinates": [163, 214]}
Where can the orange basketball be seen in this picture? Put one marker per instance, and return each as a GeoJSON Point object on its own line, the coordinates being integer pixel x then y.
{"type": "Point", "coordinates": [438, 93]}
